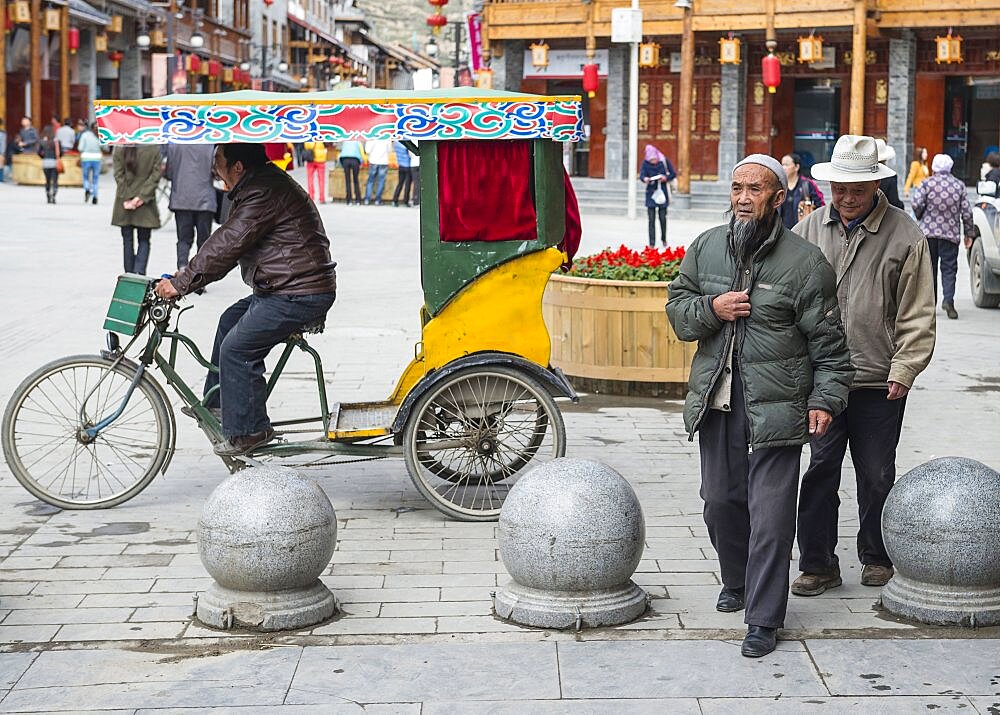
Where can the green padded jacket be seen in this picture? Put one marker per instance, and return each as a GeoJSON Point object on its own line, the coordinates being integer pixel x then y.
{"type": "Point", "coordinates": [791, 351]}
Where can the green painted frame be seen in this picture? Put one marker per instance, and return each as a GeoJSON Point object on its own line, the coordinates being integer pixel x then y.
{"type": "Point", "coordinates": [446, 268]}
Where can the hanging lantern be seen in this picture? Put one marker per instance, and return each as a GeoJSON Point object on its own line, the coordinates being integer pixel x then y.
{"type": "Point", "coordinates": [437, 21]}
{"type": "Point", "coordinates": [53, 20]}
{"type": "Point", "coordinates": [771, 67]}
{"type": "Point", "coordinates": [590, 80]}
{"type": "Point", "coordinates": [227, 75]}
{"type": "Point", "coordinates": [649, 54]}
{"type": "Point", "coordinates": [214, 68]}
{"type": "Point", "coordinates": [268, 2]}
{"type": "Point", "coordinates": [116, 58]}
{"type": "Point", "coordinates": [438, 3]}
{"type": "Point", "coordinates": [116, 24]}
{"type": "Point", "coordinates": [192, 63]}
{"type": "Point", "coordinates": [101, 42]}
{"type": "Point", "coordinates": [484, 79]}
{"type": "Point", "coordinates": [729, 50]}
{"type": "Point", "coordinates": [810, 49]}
{"type": "Point", "coordinates": [73, 40]}
{"type": "Point", "coordinates": [949, 48]}
{"type": "Point", "coordinates": [539, 54]}
{"type": "Point", "coordinates": [204, 68]}
{"type": "Point", "coordinates": [22, 12]}
{"type": "Point", "coordinates": [157, 38]}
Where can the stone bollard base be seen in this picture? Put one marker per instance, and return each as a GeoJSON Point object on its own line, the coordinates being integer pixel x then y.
{"type": "Point", "coordinates": [226, 608]}
{"type": "Point", "coordinates": [570, 609]}
{"type": "Point", "coordinates": [942, 605]}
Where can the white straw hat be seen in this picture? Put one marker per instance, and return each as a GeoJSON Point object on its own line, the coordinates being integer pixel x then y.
{"type": "Point", "coordinates": [886, 154]}
{"type": "Point", "coordinates": [855, 158]}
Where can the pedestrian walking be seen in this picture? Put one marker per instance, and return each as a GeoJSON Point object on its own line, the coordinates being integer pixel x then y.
{"type": "Point", "coordinates": [656, 172]}
{"type": "Point", "coordinates": [351, 157]}
{"type": "Point", "coordinates": [887, 302]}
{"type": "Point", "coordinates": [27, 137]}
{"type": "Point", "coordinates": [890, 184]}
{"type": "Point", "coordinates": [405, 177]}
{"type": "Point", "coordinates": [50, 151]}
{"type": "Point", "coordinates": [919, 171]}
{"type": "Point", "coordinates": [314, 156]}
{"type": "Point", "coordinates": [137, 174]}
{"type": "Point", "coordinates": [378, 166]}
{"type": "Point", "coordinates": [192, 195]}
{"type": "Point", "coordinates": [771, 370]}
{"type": "Point", "coordinates": [64, 134]}
{"type": "Point", "coordinates": [803, 196]}
{"type": "Point", "coordinates": [942, 207]}
{"type": "Point", "coordinates": [91, 157]}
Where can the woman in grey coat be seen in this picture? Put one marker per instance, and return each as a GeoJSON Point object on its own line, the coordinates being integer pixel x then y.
{"type": "Point", "coordinates": [137, 174]}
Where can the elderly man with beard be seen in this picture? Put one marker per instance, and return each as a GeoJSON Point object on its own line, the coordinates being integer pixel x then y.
{"type": "Point", "coordinates": [886, 293]}
{"type": "Point", "coordinates": [771, 370]}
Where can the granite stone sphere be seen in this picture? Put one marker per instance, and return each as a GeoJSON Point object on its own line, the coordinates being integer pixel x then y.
{"type": "Point", "coordinates": [571, 525]}
{"type": "Point", "coordinates": [267, 529]}
{"type": "Point", "coordinates": [941, 523]}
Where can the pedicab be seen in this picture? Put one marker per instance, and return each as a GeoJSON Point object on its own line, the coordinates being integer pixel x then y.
{"type": "Point", "coordinates": [473, 410]}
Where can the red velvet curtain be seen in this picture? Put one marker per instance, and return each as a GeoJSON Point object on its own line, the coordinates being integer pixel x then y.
{"type": "Point", "coordinates": [574, 228]}
{"type": "Point", "coordinates": [484, 191]}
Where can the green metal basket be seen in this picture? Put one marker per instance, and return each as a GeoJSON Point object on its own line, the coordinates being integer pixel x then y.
{"type": "Point", "coordinates": [126, 310]}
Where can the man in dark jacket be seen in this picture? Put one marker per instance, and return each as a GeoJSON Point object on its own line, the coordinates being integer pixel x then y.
{"type": "Point", "coordinates": [192, 195]}
{"type": "Point", "coordinates": [275, 234]}
{"type": "Point", "coordinates": [771, 370]}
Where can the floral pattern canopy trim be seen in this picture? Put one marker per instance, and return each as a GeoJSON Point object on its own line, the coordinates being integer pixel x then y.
{"type": "Point", "coordinates": [359, 114]}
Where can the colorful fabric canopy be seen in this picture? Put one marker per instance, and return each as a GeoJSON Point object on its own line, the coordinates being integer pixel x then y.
{"type": "Point", "coordinates": [260, 117]}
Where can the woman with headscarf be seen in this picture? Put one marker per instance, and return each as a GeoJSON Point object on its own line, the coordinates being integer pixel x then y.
{"type": "Point", "coordinates": [655, 172]}
{"type": "Point", "coordinates": [942, 207]}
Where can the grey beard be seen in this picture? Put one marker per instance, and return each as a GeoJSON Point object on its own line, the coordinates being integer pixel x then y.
{"type": "Point", "coordinates": [745, 237]}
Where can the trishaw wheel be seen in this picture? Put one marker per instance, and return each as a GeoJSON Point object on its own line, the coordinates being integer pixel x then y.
{"type": "Point", "coordinates": [471, 436]}
{"type": "Point", "coordinates": [48, 452]}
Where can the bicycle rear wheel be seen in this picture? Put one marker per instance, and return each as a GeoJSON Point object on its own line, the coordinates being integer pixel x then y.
{"type": "Point", "coordinates": [50, 455]}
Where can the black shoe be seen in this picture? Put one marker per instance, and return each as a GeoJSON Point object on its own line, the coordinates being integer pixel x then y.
{"type": "Point", "coordinates": [94, 201]}
{"type": "Point", "coordinates": [759, 641]}
{"type": "Point", "coordinates": [243, 444]}
{"type": "Point", "coordinates": [950, 311]}
{"type": "Point", "coordinates": [730, 600]}
{"type": "Point", "coordinates": [86, 196]}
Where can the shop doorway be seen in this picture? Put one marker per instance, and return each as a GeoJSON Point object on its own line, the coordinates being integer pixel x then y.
{"type": "Point", "coordinates": [817, 119]}
{"type": "Point", "coordinates": [984, 124]}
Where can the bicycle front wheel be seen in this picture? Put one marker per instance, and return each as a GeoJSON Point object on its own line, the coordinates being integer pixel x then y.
{"type": "Point", "coordinates": [48, 451]}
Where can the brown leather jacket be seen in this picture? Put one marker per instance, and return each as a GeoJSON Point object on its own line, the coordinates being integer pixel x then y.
{"type": "Point", "coordinates": [275, 234]}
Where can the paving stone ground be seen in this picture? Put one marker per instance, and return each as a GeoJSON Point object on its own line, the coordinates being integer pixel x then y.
{"type": "Point", "coordinates": [95, 607]}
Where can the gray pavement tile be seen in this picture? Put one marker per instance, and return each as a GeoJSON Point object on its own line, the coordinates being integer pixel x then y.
{"type": "Point", "coordinates": [433, 609]}
{"type": "Point", "coordinates": [20, 588]}
{"type": "Point", "coordinates": [426, 672]}
{"type": "Point", "coordinates": [475, 624]}
{"type": "Point", "coordinates": [119, 631]}
{"type": "Point", "coordinates": [663, 706]}
{"type": "Point", "coordinates": [986, 705]}
{"type": "Point", "coordinates": [52, 601]}
{"type": "Point", "coordinates": [108, 679]}
{"type": "Point", "coordinates": [34, 616]}
{"type": "Point", "coordinates": [27, 634]}
{"type": "Point", "coordinates": [908, 667]}
{"type": "Point", "coordinates": [388, 595]}
{"type": "Point", "coordinates": [137, 600]}
{"type": "Point", "coordinates": [686, 669]}
{"type": "Point", "coordinates": [326, 709]}
{"type": "Point", "coordinates": [352, 625]}
{"type": "Point", "coordinates": [12, 667]}
{"type": "Point", "coordinates": [846, 706]}
{"type": "Point", "coordinates": [93, 587]}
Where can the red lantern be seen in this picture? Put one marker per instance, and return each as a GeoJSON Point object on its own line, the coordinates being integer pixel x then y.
{"type": "Point", "coordinates": [214, 68]}
{"type": "Point", "coordinates": [438, 3]}
{"type": "Point", "coordinates": [590, 79]}
{"type": "Point", "coordinates": [116, 57]}
{"type": "Point", "coordinates": [771, 67]}
{"type": "Point", "coordinates": [74, 40]}
{"type": "Point", "coordinates": [193, 64]}
{"type": "Point", "coordinates": [437, 21]}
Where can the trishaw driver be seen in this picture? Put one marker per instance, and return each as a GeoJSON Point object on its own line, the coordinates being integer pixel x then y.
{"type": "Point", "coordinates": [275, 234]}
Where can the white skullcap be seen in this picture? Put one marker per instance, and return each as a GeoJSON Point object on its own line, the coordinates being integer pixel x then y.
{"type": "Point", "coordinates": [768, 162]}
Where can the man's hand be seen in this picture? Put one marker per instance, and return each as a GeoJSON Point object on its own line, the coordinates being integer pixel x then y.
{"type": "Point", "coordinates": [819, 422]}
{"type": "Point", "coordinates": [897, 391]}
{"type": "Point", "coordinates": [732, 305]}
{"type": "Point", "coordinates": [165, 289]}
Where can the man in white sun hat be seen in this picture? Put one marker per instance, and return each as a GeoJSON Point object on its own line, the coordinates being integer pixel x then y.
{"type": "Point", "coordinates": [886, 297]}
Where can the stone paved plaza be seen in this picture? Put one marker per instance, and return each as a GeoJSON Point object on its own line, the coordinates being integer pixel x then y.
{"type": "Point", "coordinates": [95, 607]}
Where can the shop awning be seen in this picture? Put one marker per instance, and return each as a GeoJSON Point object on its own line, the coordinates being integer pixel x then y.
{"type": "Point", "coordinates": [79, 10]}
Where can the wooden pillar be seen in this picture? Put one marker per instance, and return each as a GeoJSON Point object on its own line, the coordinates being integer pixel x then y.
{"type": "Point", "coordinates": [3, 73]}
{"type": "Point", "coordinates": [36, 63]}
{"type": "Point", "coordinates": [856, 123]}
{"type": "Point", "coordinates": [64, 62]}
{"type": "Point", "coordinates": [684, 120]}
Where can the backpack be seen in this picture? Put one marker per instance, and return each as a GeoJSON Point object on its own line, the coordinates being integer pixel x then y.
{"type": "Point", "coordinates": [308, 155]}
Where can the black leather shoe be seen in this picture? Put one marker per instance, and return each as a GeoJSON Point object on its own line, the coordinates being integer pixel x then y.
{"type": "Point", "coordinates": [243, 444]}
{"type": "Point", "coordinates": [759, 641]}
{"type": "Point", "coordinates": [730, 600]}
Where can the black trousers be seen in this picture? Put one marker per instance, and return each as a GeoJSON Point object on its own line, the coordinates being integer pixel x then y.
{"type": "Point", "coordinates": [51, 182]}
{"type": "Point", "coordinates": [749, 509]}
{"type": "Point", "coordinates": [352, 168]}
{"type": "Point", "coordinates": [660, 211]}
{"type": "Point", "coordinates": [944, 253]}
{"type": "Point", "coordinates": [415, 177]}
{"type": "Point", "coordinates": [188, 224]}
{"type": "Point", "coordinates": [403, 185]}
{"type": "Point", "coordinates": [871, 425]}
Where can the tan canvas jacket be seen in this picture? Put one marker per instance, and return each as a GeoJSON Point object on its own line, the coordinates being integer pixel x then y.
{"type": "Point", "coordinates": [885, 290]}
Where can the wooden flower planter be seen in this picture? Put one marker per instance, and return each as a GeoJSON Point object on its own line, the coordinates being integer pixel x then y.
{"type": "Point", "coordinates": [613, 337]}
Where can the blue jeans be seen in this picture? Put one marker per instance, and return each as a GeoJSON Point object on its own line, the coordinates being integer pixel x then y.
{"type": "Point", "coordinates": [91, 171]}
{"type": "Point", "coordinates": [248, 329]}
{"type": "Point", "coordinates": [376, 172]}
{"type": "Point", "coordinates": [136, 254]}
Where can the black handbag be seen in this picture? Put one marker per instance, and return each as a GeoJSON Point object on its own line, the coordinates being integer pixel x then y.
{"type": "Point", "coordinates": [308, 155]}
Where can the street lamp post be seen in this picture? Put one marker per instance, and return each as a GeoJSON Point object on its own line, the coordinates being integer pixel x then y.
{"type": "Point", "coordinates": [265, 68]}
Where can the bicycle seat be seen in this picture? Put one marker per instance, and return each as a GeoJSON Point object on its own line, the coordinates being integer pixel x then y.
{"type": "Point", "coordinates": [314, 327]}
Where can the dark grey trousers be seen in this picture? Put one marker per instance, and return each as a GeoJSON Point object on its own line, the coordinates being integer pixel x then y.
{"type": "Point", "coordinates": [749, 509]}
